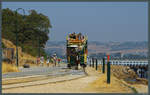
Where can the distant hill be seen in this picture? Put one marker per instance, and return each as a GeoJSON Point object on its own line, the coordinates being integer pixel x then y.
{"type": "Point", "coordinates": [95, 47]}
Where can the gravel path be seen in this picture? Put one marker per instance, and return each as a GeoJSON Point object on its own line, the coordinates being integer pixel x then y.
{"type": "Point", "coordinates": [45, 81]}
{"type": "Point", "coordinates": [74, 86]}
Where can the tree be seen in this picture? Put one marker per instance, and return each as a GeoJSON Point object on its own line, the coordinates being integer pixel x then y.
{"type": "Point", "coordinates": [31, 28]}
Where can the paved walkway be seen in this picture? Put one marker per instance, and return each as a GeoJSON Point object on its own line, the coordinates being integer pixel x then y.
{"type": "Point", "coordinates": [36, 71]}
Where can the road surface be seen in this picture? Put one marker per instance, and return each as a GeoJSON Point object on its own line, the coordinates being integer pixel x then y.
{"type": "Point", "coordinates": [39, 75]}
{"type": "Point", "coordinates": [36, 71]}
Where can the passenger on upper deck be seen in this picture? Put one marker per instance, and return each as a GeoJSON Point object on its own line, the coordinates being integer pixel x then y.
{"type": "Point", "coordinates": [73, 35]}
{"type": "Point", "coordinates": [79, 36]}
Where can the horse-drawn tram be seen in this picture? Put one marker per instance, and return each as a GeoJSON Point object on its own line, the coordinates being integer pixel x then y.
{"type": "Point", "coordinates": [76, 50]}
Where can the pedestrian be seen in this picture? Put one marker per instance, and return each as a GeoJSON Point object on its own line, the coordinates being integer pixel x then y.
{"type": "Point", "coordinates": [55, 59]}
{"type": "Point", "coordinates": [59, 61]}
{"type": "Point", "coordinates": [38, 60]}
{"type": "Point", "coordinates": [47, 62]}
{"type": "Point", "coordinates": [42, 61]}
{"type": "Point", "coordinates": [51, 60]}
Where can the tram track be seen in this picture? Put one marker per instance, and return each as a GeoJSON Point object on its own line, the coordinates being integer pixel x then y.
{"type": "Point", "coordinates": [40, 80]}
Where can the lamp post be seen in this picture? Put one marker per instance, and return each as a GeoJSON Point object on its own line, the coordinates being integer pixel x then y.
{"type": "Point", "coordinates": [17, 63]}
{"type": "Point", "coordinates": [39, 45]}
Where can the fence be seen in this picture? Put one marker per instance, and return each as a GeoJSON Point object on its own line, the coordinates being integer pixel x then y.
{"type": "Point", "coordinates": [8, 55]}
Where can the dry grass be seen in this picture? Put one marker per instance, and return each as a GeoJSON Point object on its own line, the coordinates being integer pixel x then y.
{"type": "Point", "coordinates": [9, 68]}
{"type": "Point", "coordinates": [100, 84]}
{"type": "Point", "coordinates": [124, 72]}
{"type": "Point", "coordinates": [23, 57]}
{"type": "Point", "coordinates": [114, 87]}
{"type": "Point", "coordinates": [8, 44]}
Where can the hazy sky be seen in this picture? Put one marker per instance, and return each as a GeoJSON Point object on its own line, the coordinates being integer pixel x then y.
{"type": "Point", "coordinates": [101, 21]}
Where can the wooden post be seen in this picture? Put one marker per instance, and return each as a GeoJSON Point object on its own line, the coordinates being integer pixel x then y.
{"type": "Point", "coordinates": [108, 72]}
{"type": "Point", "coordinates": [103, 68]}
{"type": "Point", "coordinates": [108, 69]}
{"type": "Point", "coordinates": [93, 62]}
{"type": "Point", "coordinates": [96, 64]}
{"type": "Point", "coordinates": [90, 62]}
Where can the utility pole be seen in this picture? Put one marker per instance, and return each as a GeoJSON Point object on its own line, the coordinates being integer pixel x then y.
{"type": "Point", "coordinates": [16, 43]}
{"type": "Point", "coordinates": [39, 45]}
{"type": "Point", "coordinates": [17, 62]}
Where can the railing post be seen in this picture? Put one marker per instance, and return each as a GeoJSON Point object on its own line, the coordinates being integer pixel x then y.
{"type": "Point", "coordinates": [141, 73]}
{"type": "Point", "coordinates": [103, 66]}
{"type": "Point", "coordinates": [90, 62]}
{"type": "Point", "coordinates": [108, 72]}
{"type": "Point", "coordinates": [96, 64]}
{"type": "Point", "coordinates": [93, 62]}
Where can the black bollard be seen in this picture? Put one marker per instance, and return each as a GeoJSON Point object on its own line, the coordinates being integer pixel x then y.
{"type": "Point", "coordinates": [90, 62]}
{"type": "Point", "coordinates": [96, 64]}
{"type": "Point", "coordinates": [103, 66]}
{"type": "Point", "coordinates": [93, 62]}
{"type": "Point", "coordinates": [142, 73]}
{"type": "Point", "coordinates": [108, 72]}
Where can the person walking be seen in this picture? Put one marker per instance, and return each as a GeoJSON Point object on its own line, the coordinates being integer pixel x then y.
{"type": "Point", "coordinates": [47, 61]}
{"type": "Point", "coordinates": [52, 61]}
{"type": "Point", "coordinates": [55, 59]}
{"type": "Point", "coordinates": [42, 61]}
{"type": "Point", "coordinates": [38, 60]}
{"type": "Point", "coordinates": [59, 61]}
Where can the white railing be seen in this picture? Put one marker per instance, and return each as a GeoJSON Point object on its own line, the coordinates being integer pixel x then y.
{"type": "Point", "coordinates": [122, 62]}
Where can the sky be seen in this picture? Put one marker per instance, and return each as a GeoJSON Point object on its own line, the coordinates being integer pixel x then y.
{"type": "Point", "coordinates": [100, 21]}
